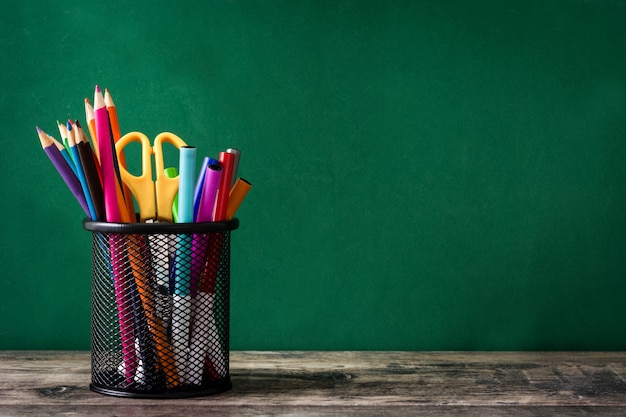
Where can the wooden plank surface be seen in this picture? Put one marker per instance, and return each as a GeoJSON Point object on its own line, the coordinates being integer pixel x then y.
{"type": "Point", "coordinates": [342, 383]}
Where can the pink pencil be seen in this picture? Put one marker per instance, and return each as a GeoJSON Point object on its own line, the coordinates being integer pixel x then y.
{"type": "Point", "coordinates": [116, 242]}
{"type": "Point", "coordinates": [107, 155]}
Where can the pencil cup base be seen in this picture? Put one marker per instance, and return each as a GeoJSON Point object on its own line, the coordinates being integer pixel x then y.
{"type": "Point", "coordinates": [181, 392]}
{"type": "Point", "coordinates": [160, 309]}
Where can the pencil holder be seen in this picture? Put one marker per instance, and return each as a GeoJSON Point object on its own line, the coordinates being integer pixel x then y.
{"type": "Point", "coordinates": [160, 308]}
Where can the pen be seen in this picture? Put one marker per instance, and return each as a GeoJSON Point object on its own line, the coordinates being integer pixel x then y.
{"type": "Point", "coordinates": [172, 172]}
{"type": "Point", "coordinates": [221, 205]}
{"type": "Point", "coordinates": [202, 302]}
{"type": "Point", "coordinates": [237, 154]}
{"type": "Point", "coordinates": [237, 194]}
{"type": "Point", "coordinates": [187, 175]}
{"type": "Point", "coordinates": [205, 214]}
{"type": "Point", "coordinates": [208, 197]}
{"type": "Point", "coordinates": [181, 309]}
{"type": "Point", "coordinates": [197, 193]}
{"type": "Point", "coordinates": [205, 342]}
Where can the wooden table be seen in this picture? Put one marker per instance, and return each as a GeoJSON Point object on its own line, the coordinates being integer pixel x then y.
{"type": "Point", "coordinates": [341, 383]}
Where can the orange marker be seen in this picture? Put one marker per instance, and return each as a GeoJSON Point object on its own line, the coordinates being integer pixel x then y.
{"type": "Point", "coordinates": [237, 194]}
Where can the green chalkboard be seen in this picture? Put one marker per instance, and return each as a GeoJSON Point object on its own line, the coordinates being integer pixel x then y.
{"type": "Point", "coordinates": [442, 175]}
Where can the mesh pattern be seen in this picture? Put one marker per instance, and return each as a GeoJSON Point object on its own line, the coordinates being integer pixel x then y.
{"type": "Point", "coordinates": [160, 313]}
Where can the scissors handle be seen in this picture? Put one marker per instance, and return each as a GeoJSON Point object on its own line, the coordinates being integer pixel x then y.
{"type": "Point", "coordinates": [141, 186]}
{"type": "Point", "coordinates": [166, 188]}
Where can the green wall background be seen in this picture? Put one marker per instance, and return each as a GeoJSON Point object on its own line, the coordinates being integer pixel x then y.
{"type": "Point", "coordinates": [428, 175]}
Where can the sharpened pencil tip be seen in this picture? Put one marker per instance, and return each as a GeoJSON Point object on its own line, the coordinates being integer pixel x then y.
{"type": "Point", "coordinates": [39, 131]}
{"type": "Point", "coordinates": [97, 89]}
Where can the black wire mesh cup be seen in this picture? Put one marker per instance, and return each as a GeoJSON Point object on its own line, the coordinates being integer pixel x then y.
{"type": "Point", "coordinates": [160, 313]}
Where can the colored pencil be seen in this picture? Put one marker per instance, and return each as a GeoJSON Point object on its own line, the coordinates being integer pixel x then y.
{"type": "Point", "coordinates": [90, 168]}
{"type": "Point", "coordinates": [85, 139]}
{"type": "Point", "coordinates": [116, 241]}
{"type": "Point", "coordinates": [116, 132]}
{"type": "Point", "coordinates": [51, 147]}
{"type": "Point", "coordinates": [71, 141]}
{"type": "Point", "coordinates": [107, 157]}
{"type": "Point", "coordinates": [91, 126]}
{"type": "Point", "coordinates": [65, 150]}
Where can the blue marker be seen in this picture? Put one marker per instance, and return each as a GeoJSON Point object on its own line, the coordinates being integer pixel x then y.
{"type": "Point", "coordinates": [181, 307]}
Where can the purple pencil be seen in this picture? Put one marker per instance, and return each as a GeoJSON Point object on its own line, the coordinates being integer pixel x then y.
{"type": "Point", "coordinates": [51, 147]}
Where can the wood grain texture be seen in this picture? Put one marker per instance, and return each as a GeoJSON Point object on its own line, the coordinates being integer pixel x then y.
{"type": "Point", "coordinates": [342, 383]}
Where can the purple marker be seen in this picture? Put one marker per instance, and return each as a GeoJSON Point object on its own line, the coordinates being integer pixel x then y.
{"type": "Point", "coordinates": [209, 193]}
{"type": "Point", "coordinates": [205, 213]}
{"type": "Point", "coordinates": [197, 193]}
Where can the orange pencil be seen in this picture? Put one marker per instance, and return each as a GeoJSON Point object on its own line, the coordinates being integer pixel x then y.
{"type": "Point", "coordinates": [139, 252]}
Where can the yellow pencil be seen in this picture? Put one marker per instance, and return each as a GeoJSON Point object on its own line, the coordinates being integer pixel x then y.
{"type": "Point", "coordinates": [91, 125]}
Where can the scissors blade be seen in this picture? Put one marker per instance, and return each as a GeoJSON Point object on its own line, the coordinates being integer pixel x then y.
{"type": "Point", "coordinates": [166, 188]}
{"type": "Point", "coordinates": [141, 186]}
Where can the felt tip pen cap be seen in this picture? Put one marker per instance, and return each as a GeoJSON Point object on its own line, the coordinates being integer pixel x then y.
{"type": "Point", "coordinates": [237, 194]}
{"type": "Point", "coordinates": [172, 172]}
{"type": "Point", "coordinates": [237, 154]}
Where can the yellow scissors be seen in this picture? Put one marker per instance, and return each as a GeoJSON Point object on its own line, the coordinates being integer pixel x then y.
{"type": "Point", "coordinates": [154, 197]}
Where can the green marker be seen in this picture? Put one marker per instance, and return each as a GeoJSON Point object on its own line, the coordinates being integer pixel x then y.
{"type": "Point", "coordinates": [172, 172]}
